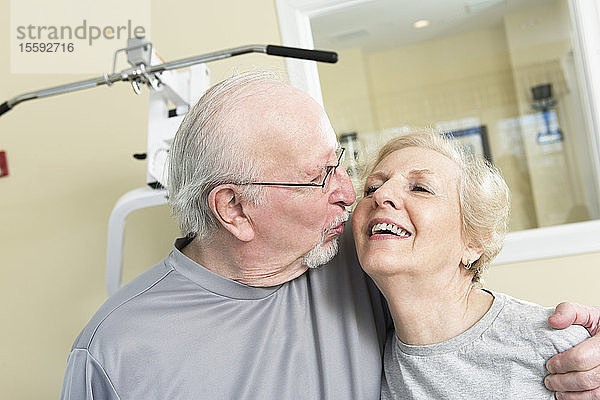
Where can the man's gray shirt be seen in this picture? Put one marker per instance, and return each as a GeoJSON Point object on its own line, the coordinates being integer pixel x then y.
{"type": "Point", "coordinates": [179, 331]}
{"type": "Point", "coordinates": [503, 356]}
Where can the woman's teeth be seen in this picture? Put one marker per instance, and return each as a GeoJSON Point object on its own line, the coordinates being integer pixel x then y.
{"type": "Point", "coordinates": [389, 228]}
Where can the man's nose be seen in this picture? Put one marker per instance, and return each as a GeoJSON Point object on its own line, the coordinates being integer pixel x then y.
{"type": "Point", "coordinates": [343, 191]}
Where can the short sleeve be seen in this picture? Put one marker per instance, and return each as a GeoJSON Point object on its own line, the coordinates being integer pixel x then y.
{"type": "Point", "coordinates": [85, 379]}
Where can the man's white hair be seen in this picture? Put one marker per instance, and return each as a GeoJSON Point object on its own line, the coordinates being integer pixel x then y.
{"type": "Point", "coordinates": [208, 151]}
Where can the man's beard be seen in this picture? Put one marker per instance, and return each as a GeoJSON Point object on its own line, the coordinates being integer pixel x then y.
{"type": "Point", "coordinates": [323, 252]}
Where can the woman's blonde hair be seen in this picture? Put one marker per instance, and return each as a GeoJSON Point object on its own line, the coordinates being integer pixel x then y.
{"type": "Point", "coordinates": [484, 198]}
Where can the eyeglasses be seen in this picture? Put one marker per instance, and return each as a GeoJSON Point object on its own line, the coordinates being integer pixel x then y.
{"type": "Point", "coordinates": [328, 171]}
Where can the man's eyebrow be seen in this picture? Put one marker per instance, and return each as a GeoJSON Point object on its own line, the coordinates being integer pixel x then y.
{"type": "Point", "coordinates": [338, 148]}
{"type": "Point", "coordinates": [335, 153]}
{"type": "Point", "coordinates": [319, 168]}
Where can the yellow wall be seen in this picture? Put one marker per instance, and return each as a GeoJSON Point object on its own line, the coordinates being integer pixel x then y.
{"type": "Point", "coordinates": [548, 282]}
{"type": "Point", "coordinates": [347, 95]}
{"type": "Point", "coordinates": [70, 160]}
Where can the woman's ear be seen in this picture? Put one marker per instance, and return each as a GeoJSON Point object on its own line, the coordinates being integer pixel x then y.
{"type": "Point", "coordinates": [227, 206]}
{"type": "Point", "coordinates": [471, 254]}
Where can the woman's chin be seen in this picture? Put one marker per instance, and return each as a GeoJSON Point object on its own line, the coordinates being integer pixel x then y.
{"type": "Point", "coordinates": [382, 266]}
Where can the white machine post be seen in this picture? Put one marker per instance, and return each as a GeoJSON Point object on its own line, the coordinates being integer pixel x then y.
{"type": "Point", "coordinates": [170, 100]}
{"type": "Point", "coordinates": [134, 200]}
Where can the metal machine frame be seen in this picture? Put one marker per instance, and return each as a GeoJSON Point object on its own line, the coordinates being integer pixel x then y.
{"type": "Point", "coordinates": [171, 95]}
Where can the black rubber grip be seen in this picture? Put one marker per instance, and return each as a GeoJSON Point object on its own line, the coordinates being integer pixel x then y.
{"type": "Point", "coordinates": [4, 107]}
{"type": "Point", "coordinates": [305, 54]}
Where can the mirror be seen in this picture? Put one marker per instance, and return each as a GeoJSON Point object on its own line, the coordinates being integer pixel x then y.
{"type": "Point", "coordinates": [500, 75]}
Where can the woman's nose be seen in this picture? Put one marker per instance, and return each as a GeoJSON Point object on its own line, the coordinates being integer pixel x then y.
{"type": "Point", "coordinates": [384, 196]}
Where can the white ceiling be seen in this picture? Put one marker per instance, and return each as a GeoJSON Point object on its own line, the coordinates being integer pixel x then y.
{"type": "Point", "coordinates": [383, 24]}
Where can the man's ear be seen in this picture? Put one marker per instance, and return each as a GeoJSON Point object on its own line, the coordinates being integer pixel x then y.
{"type": "Point", "coordinates": [227, 206]}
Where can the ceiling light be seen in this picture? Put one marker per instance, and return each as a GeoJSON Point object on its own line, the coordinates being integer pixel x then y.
{"type": "Point", "coordinates": [422, 23]}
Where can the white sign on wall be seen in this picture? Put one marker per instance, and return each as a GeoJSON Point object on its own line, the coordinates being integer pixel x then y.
{"type": "Point", "coordinates": [72, 36]}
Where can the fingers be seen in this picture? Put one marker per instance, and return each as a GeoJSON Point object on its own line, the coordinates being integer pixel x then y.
{"type": "Point", "coordinates": [587, 395]}
{"type": "Point", "coordinates": [567, 314]}
{"type": "Point", "coordinates": [583, 357]}
{"type": "Point", "coordinates": [574, 381]}
{"type": "Point", "coordinates": [576, 372]}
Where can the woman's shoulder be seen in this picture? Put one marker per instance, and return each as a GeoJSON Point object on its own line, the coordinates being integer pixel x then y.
{"type": "Point", "coordinates": [528, 322]}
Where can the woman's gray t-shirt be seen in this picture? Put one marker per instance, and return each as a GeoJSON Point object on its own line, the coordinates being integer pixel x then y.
{"type": "Point", "coordinates": [502, 356]}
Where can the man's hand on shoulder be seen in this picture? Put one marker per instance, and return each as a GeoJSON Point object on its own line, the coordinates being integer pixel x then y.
{"type": "Point", "coordinates": [575, 373]}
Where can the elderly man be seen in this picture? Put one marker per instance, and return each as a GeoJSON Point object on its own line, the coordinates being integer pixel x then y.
{"type": "Point", "coordinates": [237, 311]}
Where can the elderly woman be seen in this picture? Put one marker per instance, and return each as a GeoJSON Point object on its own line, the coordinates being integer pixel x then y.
{"type": "Point", "coordinates": [431, 219]}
